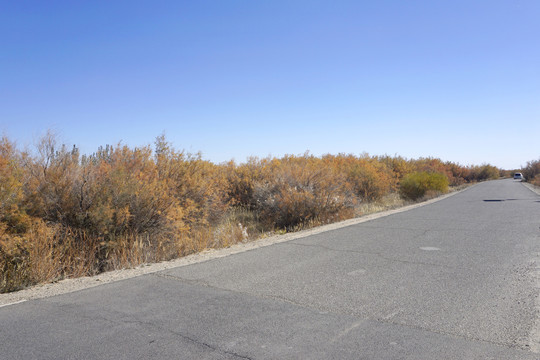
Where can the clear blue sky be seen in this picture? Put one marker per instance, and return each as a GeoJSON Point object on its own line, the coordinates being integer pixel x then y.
{"type": "Point", "coordinates": [459, 80]}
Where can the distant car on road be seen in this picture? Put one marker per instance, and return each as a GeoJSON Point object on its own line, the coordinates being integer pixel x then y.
{"type": "Point", "coordinates": [518, 176]}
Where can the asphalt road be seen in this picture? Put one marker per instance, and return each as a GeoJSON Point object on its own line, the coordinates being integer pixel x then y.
{"type": "Point", "coordinates": [457, 279]}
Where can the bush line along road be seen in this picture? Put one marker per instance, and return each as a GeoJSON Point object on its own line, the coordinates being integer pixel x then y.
{"type": "Point", "coordinates": [63, 214]}
{"type": "Point", "coordinates": [455, 279]}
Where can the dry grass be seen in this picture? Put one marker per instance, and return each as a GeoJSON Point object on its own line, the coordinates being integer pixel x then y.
{"type": "Point", "coordinates": [388, 202]}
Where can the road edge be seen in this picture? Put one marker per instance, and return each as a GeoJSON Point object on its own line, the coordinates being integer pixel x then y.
{"type": "Point", "coordinates": [534, 189]}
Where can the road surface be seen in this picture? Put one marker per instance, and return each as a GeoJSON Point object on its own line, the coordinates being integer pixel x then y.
{"type": "Point", "coordinates": [456, 279]}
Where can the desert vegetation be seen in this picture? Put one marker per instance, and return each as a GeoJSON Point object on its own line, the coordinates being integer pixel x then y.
{"type": "Point", "coordinates": [416, 185]}
{"type": "Point", "coordinates": [65, 214]}
{"type": "Point", "coordinates": [531, 172]}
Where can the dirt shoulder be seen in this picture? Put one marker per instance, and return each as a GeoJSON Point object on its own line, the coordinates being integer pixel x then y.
{"type": "Point", "coordinates": [532, 187]}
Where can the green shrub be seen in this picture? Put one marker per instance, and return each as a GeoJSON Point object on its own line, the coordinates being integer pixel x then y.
{"type": "Point", "coordinates": [414, 186]}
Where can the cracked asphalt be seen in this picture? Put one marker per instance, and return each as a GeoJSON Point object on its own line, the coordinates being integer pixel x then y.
{"type": "Point", "coordinates": [456, 279]}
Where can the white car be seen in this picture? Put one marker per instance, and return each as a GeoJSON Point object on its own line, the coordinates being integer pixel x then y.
{"type": "Point", "coordinates": [518, 176]}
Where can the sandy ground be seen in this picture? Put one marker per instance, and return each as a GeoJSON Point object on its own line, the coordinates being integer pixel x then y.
{"type": "Point", "coordinates": [71, 285]}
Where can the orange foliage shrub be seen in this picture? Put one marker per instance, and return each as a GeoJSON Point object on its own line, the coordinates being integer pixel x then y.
{"type": "Point", "coordinates": [482, 173]}
{"type": "Point", "coordinates": [241, 181]}
{"type": "Point", "coordinates": [294, 191]}
{"type": "Point", "coordinates": [398, 166]}
{"type": "Point", "coordinates": [118, 202]}
{"type": "Point", "coordinates": [11, 189]}
{"type": "Point", "coordinates": [371, 180]}
{"type": "Point", "coordinates": [369, 177]}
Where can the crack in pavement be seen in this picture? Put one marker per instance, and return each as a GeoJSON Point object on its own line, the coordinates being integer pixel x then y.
{"type": "Point", "coordinates": [188, 281]}
{"type": "Point", "coordinates": [413, 229]}
{"type": "Point", "coordinates": [361, 317]}
{"type": "Point", "coordinates": [370, 253]}
{"type": "Point", "coordinates": [195, 341]}
{"type": "Point", "coordinates": [445, 333]}
{"type": "Point", "coordinates": [128, 320]}
{"type": "Point", "coordinates": [205, 284]}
